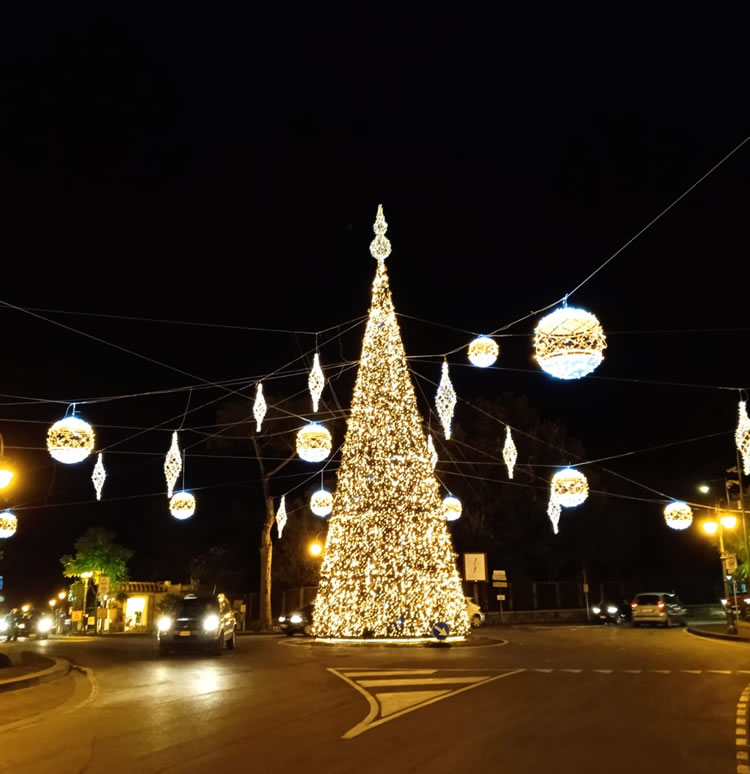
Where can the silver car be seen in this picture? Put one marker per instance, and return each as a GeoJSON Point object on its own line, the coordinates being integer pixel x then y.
{"type": "Point", "coordinates": [658, 608]}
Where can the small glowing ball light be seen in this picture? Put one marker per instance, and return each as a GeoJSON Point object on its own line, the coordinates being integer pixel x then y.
{"type": "Point", "coordinates": [6, 474]}
{"type": "Point", "coordinates": [569, 343]}
{"type": "Point", "coordinates": [678, 515]}
{"type": "Point", "coordinates": [452, 508]}
{"type": "Point", "coordinates": [8, 524]}
{"type": "Point", "coordinates": [483, 351]}
{"type": "Point", "coordinates": [321, 503]}
{"type": "Point", "coordinates": [569, 487]}
{"type": "Point", "coordinates": [70, 440]}
{"type": "Point", "coordinates": [182, 505]}
{"type": "Point", "coordinates": [314, 443]}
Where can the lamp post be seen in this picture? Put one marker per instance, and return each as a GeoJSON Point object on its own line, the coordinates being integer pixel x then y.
{"type": "Point", "coordinates": [713, 527]}
{"type": "Point", "coordinates": [85, 577]}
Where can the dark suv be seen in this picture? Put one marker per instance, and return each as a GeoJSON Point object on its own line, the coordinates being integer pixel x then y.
{"type": "Point", "coordinates": [203, 622]}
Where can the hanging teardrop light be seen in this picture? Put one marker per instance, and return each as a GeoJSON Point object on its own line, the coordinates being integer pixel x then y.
{"type": "Point", "coordinates": [281, 516]}
{"type": "Point", "coordinates": [742, 438]}
{"type": "Point", "coordinates": [98, 476]}
{"type": "Point", "coordinates": [569, 487]}
{"type": "Point", "coordinates": [510, 453]}
{"type": "Point", "coordinates": [315, 381]}
{"type": "Point", "coordinates": [678, 515]}
{"type": "Point", "coordinates": [259, 407]}
{"type": "Point", "coordinates": [8, 524]}
{"type": "Point", "coordinates": [432, 451]}
{"type": "Point", "coordinates": [553, 511]}
{"type": "Point", "coordinates": [314, 443]}
{"type": "Point", "coordinates": [182, 505]}
{"type": "Point", "coordinates": [70, 440]}
{"type": "Point", "coordinates": [483, 351]}
{"type": "Point", "coordinates": [569, 343]}
{"type": "Point", "coordinates": [445, 400]}
{"type": "Point", "coordinates": [172, 464]}
{"type": "Point", "coordinates": [452, 508]}
{"type": "Point", "coordinates": [321, 503]}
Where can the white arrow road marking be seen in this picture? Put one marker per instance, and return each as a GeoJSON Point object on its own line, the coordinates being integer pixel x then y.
{"type": "Point", "coordinates": [388, 705]}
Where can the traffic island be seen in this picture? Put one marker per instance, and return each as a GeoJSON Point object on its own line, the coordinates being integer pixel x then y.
{"type": "Point", "coordinates": [719, 632]}
{"type": "Point", "coordinates": [469, 642]}
{"type": "Point", "coordinates": [22, 668]}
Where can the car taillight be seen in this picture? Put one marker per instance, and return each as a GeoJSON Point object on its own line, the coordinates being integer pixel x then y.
{"type": "Point", "coordinates": [633, 605]}
{"type": "Point", "coordinates": [660, 605]}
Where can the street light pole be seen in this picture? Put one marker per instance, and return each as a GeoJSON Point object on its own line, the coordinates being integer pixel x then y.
{"type": "Point", "coordinates": [85, 621]}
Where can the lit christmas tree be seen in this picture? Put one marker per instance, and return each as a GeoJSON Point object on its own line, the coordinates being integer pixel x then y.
{"type": "Point", "coordinates": [388, 569]}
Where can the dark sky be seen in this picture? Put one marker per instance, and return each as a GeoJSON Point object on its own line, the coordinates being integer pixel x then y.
{"type": "Point", "coordinates": [226, 169]}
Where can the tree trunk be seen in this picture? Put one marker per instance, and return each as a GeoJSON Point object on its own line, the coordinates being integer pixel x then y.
{"type": "Point", "coordinates": [266, 553]}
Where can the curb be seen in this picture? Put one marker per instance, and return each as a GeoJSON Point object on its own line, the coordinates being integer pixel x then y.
{"type": "Point", "coordinates": [717, 635]}
{"type": "Point", "coordinates": [60, 668]}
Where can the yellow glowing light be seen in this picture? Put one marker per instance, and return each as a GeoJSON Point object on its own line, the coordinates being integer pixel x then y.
{"type": "Point", "coordinates": [6, 472]}
{"type": "Point", "coordinates": [483, 351]}
{"type": "Point", "coordinates": [8, 524]}
{"type": "Point", "coordinates": [315, 381]}
{"type": "Point", "coordinates": [569, 343]}
{"type": "Point", "coordinates": [259, 407]}
{"type": "Point", "coordinates": [569, 487]}
{"type": "Point", "coordinates": [553, 511]}
{"type": "Point", "coordinates": [432, 451]}
{"type": "Point", "coordinates": [52, 602]}
{"type": "Point", "coordinates": [452, 508]}
{"type": "Point", "coordinates": [314, 443]}
{"type": "Point", "coordinates": [742, 437]}
{"type": "Point", "coordinates": [316, 549]}
{"type": "Point", "coordinates": [678, 515]}
{"type": "Point", "coordinates": [182, 505]}
{"type": "Point", "coordinates": [510, 453]}
{"type": "Point", "coordinates": [281, 516]}
{"type": "Point", "coordinates": [728, 522]}
{"type": "Point", "coordinates": [25, 608]}
{"type": "Point", "coordinates": [445, 400]}
{"type": "Point", "coordinates": [321, 502]}
{"type": "Point", "coordinates": [62, 595]}
{"type": "Point", "coordinates": [710, 527]}
{"type": "Point", "coordinates": [70, 440]}
{"type": "Point", "coordinates": [388, 570]}
{"type": "Point", "coordinates": [98, 476]}
{"type": "Point", "coordinates": [172, 465]}
{"type": "Point", "coordinates": [380, 247]}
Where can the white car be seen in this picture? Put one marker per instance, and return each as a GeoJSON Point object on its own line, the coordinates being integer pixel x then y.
{"type": "Point", "coordinates": [476, 616]}
{"type": "Point", "coordinates": [658, 608]}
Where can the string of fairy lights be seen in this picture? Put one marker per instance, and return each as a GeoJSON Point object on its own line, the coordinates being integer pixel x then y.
{"type": "Point", "coordinates": [569, 344]}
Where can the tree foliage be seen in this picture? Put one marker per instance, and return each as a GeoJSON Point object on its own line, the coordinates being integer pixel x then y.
{"type": "Point", "coordinates": [97, 552]}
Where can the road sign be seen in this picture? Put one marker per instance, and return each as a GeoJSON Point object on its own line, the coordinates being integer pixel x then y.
{"type": "Point", "coordinates": [440, 630]}
{"type": "Point", "coordinates": [498, 575]}
{"type": "Point", "coordinates": [104, 585]}
{"type": "Point", "coordinates": [585, 588]}
{"type": "Point", "coordinates": [475, 567]}
{"type": "Point", "coordinates": [731, 563]}
{"type": "Point", "coordinates": [500, 584]}
{"type": "Point", "coordinates": [501, 597]}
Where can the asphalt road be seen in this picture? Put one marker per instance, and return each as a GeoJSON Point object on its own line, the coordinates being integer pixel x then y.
{"type": "Point", "coordinates": [564, 699]}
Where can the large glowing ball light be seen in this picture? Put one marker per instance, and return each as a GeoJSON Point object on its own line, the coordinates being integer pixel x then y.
{"type": "Point", "coordinates": [452, 508]}
{"type": "Point", "coordinates": [321, 503]}
{"type": "Point", "coordinates": [8, 524]}
{"type": "Point", "coordinates": [70, 440]}
{"type": "Point", "coordinates": [182, 505]}
{"type": "Point", "coordinates": [483, 351]}
{"type": "Point", "coordinates": [678, 515]}
{"type": "Point", "coordinates": [569, 343]}
{"type": "Point", "coordinates": [314, 443]}
{"type": "Point", "coordinates": [569, 487]}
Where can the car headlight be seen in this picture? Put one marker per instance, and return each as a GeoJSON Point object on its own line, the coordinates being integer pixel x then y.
{"type": "Point", "coordinates": [296, 619]}
{"type": "Point", "coordinates": [211, 623]}
{"type": "Point", "coordinates": [596, 610]}
{"type": "Point", "coordinates": [282, 618]}
{"type": "Point", "coordinates": [611, 609]}
{"type": "Point", "coordinates": [3, 625]}
{"type": "Point", "coordinates": [44, 625]}
{"type": "Point", "coordinates": [165, 623]}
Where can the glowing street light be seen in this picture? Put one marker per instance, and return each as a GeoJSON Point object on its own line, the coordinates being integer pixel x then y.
{"type": "Point", "coordinates": [7, 471]}
{"type": "Point", "coordinates": [704, 488]}
{"type": "Point", "coordinates": [315, 548]}
{"type": "Point", "coordinates": [52, 602]}
{"type": "Point", "coordinates": [62, 595]}
{"type": "Point", "coordinates": [712, 527]}
{"type": "Point", "coordinates": [25, 608]}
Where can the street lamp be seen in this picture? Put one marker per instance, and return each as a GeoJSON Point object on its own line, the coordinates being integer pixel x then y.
{"type": "Point", "coordinates": [315, 548]}
{"type": "Point", "coordinates": [6, 466]}
{"type": "Point", "coordinates": [52, 602]}
{"type": "Point", "coordinates": [712, 527]}
{"type": "Point", "coordinates": [704, 488]}
{"type": "Point", "coordinates": [84, 619]}
{"type": "Point", "coordinates": [62, 595]}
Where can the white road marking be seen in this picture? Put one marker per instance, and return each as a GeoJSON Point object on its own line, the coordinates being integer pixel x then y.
{"type": "Point", "coordinates": [573, 671]}
{"type": "Point", "coordinates": [632, 671]}
{"type": "Point", "coordinates": [661, 671]}
{"type": "Point", "coordinates": [403, 681]}
{"type": "Point", "coordinates": [691, 671]}
{"type": "Point", "coordinates": [544, 671]}
{"type": "Point", "coordinates": [742, 769]}
{"type": "Point", "coordinates": [603, 671]}
{"type": "Point", "coordinates": [394, 673]}
{"type": "Point", "coordinates": [741, 755]}
{"type": "Point", "coordinates": [741, 741]}
{"type": "Point", "coordinates": [719, 671]}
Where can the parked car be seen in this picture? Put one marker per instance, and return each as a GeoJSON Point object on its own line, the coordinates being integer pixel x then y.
{"type": "Point", "coordinates": [199, 622]}
{"type": "Point", "coordinates": [611, 611]}
{"type": "Point", "coordinates": [658, 608]}
{"type": "Point", "coordinates": [298, 621]}
{"type": "Point", "coordinates": [476, 616]}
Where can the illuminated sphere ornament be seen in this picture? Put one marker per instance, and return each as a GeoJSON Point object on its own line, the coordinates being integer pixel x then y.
{"type": "Point", "coordinates": [70, 440]}
{"type": "Point", "coordinates": [452, 508]}
{"type": "Point", "coordinates": [569, 487]}
{"type": "Point", "coordinates": [182, 505]}
{"type": "Point", "coordinates": [314, 443]}
{"type": "Point", "coordinates": [483, 351]}
{"type": "Point", "coordinates": [569, 343]}
{"type": "Point", "coordinates": [8, 524]}
{"type": "Point", "coordinates": [678, 515]}
{"type": "Point", "coordinates": [321, 503]}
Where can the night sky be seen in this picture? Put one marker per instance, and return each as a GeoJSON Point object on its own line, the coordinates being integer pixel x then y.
{"type": "Point", "coordinates": [227, 170]}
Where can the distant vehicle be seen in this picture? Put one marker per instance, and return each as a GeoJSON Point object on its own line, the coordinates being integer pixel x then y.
{"type": "Point", "coordinates": [476, 616]}
{"type": "Point", "coordinates": [31, 623]}
{"type": "Point", "coordinates": [658, 608]}
{"type": "Point", "coordinates": [298, 621]}
{"type": "Point", "coordinates": [199, 622]}
{"type": "Point", "coordinates": [612, 611]}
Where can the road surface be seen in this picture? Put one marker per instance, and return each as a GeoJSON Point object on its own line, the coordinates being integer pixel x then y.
{"type": "Point", "coordinates": [563, 699]}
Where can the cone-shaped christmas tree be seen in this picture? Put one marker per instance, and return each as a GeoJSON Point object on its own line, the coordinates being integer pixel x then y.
{"type": "Point", "coordinates": [388, 569]}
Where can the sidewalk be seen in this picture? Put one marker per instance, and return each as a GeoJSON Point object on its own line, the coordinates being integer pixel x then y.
{"type": "Point", "coordinates": [715, 630]}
